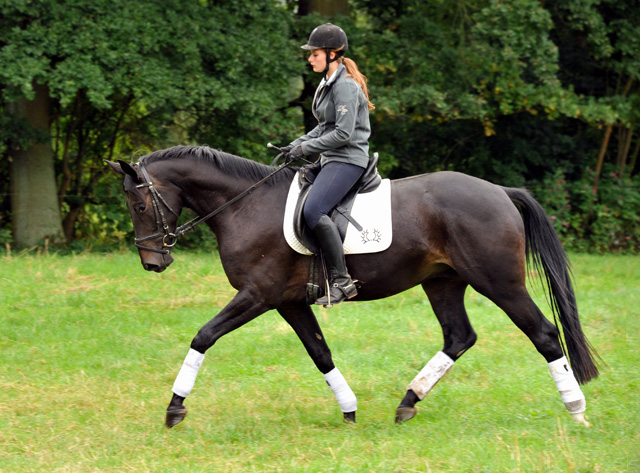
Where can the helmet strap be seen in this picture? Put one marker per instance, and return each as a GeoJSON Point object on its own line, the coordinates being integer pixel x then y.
{"type": "Point", "coordinates": [329, 61]}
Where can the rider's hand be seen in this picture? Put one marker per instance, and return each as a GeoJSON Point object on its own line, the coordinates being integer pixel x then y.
{"type": "Point", "coordinates": [286, 149]}
{"type": "Point", "coordinates": [293, 155]}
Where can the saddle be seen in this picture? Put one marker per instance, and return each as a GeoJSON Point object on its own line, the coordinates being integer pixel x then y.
{"type": "Point", "coordinates": [341, 214]}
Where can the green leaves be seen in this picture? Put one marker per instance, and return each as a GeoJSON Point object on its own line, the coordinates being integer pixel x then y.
{"type": "Point", "coordinates": [124, 76]}
{"type": "Point", "coordinates": [457, 84]}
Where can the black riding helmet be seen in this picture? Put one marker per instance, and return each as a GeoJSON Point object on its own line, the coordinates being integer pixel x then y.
{"type": "Point", "coordinates": [328, 37]}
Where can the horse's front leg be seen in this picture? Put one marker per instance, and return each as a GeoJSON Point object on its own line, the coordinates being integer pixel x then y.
{"type": "Point", "coordinates": [304, 323]}
{"type": "Point", "coordinates": [243, 308]}
{"type": "Point", "coordinates": [447, 300]}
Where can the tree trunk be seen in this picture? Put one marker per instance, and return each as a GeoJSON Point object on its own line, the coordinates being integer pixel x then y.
{"type": "Point", "coordinates": [624, 146]}
{"type": "Point", "coordinates": [601, 155]}
{"type": "Point", "coordinates": [634, 158]}
{"type": "Point", "coordinates": [323, 7]}
{"type": "Point", "coordinates": [34, 200]}
{"type": "Point", "coordinates": [70, 220]}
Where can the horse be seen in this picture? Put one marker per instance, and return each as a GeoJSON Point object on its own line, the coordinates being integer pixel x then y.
{"type": "Point", "coordinates": [450, 231]}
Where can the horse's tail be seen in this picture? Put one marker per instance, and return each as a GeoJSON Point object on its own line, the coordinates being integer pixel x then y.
{"type": "Point", "coordinates": [545, 254]}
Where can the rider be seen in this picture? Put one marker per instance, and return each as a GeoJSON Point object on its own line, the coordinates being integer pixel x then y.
{"type": "Point", "coordinates": [341, 105]}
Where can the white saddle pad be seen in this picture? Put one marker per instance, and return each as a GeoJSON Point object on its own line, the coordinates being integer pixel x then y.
{"type": "Point", "coordinates": [371, 210]}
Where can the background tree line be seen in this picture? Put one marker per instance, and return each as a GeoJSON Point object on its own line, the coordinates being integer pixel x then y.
{"type": "Point", "coordinates": [541, 94]}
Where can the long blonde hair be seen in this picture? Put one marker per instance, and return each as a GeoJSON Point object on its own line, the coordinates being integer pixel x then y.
{"type": "Point", "coordinates": [359, 77]}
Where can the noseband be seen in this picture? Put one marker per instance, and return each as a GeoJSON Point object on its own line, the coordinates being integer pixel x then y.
{"type": "Point", "coordinates": [168, 238]}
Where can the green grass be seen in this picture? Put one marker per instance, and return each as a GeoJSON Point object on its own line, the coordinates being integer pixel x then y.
{"type": "Point", "coordinates": [90, 346]}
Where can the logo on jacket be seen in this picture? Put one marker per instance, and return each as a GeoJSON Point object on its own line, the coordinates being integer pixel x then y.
{"type": "Point", "coordinates": [342, 110]}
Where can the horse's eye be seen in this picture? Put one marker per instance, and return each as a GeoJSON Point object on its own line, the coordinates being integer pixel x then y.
{"type": "Point", "coordinates": [140, 208]}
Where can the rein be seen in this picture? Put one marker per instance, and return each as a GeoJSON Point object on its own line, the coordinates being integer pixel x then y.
{"type": "Point", "coordinates": [169, 239]}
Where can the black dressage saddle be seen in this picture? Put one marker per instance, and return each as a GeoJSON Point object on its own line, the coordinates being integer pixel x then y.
{"type": "Point", "coordinates": [341, 214]}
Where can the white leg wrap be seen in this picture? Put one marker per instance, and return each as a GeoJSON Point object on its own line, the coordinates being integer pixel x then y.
{"type": "Point", "coordinates": [431, 374]}
{"type": "Point", "coordinates": [341, 390]}
{"type": "Point", "coordinates": [568, 386]}
{"type": "Point", "coordinates": [187, 375]}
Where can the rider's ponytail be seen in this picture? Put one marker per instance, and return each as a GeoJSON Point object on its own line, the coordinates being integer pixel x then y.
{"type": "Point", "coordinates": [354, 72]}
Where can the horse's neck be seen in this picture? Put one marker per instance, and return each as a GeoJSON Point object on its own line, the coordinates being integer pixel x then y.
{"type": "Point", "coordinates": [205, 191]}
{"type": "Point", "coordinates": [206, 187]}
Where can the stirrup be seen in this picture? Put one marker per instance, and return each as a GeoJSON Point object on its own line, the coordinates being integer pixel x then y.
{"type": "Point", "coordinates": [336, 293]}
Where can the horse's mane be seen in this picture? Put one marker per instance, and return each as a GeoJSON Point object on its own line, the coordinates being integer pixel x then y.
{"type": "Point", "coordinates": [229, 164]}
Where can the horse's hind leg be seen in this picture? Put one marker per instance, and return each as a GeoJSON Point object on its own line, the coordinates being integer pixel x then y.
{"type": "Point", "coordinates": [514, 299]}
{"type": "Point", "coordinates": [446, 295]}
{"type": "Point", "coordinates": [304, 323]}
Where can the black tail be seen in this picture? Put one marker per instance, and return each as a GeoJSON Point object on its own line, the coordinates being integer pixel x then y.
{"type": "Point", "coordinates": [547, 256]}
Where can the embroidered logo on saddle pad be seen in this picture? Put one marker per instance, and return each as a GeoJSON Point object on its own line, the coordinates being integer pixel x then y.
{"type": "Point", "coordinates": [372, 211]}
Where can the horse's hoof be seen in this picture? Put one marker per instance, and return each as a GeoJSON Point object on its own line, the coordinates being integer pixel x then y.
{"type": "Point", "coordinates": [175, 416]}
{"type": "Point", "coordinates": [350, 417]}
{"type": "Point", "coordinates": [579, 417]}
{"type": "Point", "coordinates": [404, 414]}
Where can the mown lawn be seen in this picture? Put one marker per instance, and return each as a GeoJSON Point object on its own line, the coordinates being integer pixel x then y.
{"type": "Point", "coordinates": [90, 346]}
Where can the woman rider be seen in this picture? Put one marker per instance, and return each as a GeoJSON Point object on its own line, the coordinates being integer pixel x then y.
{"type": "Point", "coordinates": [341, 105]}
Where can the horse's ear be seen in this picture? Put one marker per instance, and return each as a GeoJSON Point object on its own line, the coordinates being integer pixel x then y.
{"type": "Point", "coordinates": [124, 168]}
{"type": "Point", "coordinates": [128, 169]}
{"type": "Point", "coordinates": [115, 166]}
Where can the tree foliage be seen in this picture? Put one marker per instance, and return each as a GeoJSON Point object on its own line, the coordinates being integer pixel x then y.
{"type": "Point", "coordinates": [513, 91]}
{"type": "Point", "coordinates": [127, 76]}
{"type": "Point", "coordinates": [488, 62]}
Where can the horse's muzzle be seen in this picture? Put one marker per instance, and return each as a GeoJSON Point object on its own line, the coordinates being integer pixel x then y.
{"type": "Point", "coordinates": [156, 262]}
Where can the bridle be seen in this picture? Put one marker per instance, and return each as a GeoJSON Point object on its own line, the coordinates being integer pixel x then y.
{"type": "Point", "coordinates": [169, 239]}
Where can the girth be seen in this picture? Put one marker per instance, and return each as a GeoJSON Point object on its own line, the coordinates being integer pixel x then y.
{"type": "Point", "coordinates": [341, 214]}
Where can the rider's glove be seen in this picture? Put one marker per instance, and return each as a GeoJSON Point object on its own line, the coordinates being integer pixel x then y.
{"type": "Point", "coordinates": [293, 155]}
{"type": "Point", "coordinates": [286, 149]}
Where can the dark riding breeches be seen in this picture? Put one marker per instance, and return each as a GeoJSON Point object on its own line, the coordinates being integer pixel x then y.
{"type": "Point", "coordinates": [330, 186]}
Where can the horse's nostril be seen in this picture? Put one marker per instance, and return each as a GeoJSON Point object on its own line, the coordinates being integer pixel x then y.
{"type": "Point", "coordinates": [152, 267]}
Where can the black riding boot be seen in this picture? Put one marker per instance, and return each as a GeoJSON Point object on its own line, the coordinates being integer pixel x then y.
{"type": "Point", "coordinates": [341, 286]}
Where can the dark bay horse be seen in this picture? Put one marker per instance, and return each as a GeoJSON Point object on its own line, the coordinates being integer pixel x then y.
{"type": "Point", "coordinates": [450, 231]}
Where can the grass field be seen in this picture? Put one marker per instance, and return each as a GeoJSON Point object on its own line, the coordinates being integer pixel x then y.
{"type": "Point", "coordinates": [90, 346]}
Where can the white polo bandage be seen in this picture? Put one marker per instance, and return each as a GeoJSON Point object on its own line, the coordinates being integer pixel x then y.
{"type": "Point", "coordinates": [567, 385]}
{"type": "Point", "coordinates": [341, 390]}
{"type": "Point", "coordinates": [431, 374]}
{"type": "Point", "coordinates": [187, 375]}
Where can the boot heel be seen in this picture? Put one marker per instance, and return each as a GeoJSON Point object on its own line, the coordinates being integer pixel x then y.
{"type": "Point", "coordinates": [350, 291]}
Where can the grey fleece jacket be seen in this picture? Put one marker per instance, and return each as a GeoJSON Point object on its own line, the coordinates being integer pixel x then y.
{"type": "Point", "coordinates": [343, 129]}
